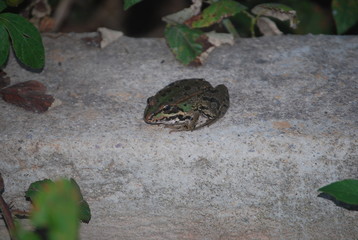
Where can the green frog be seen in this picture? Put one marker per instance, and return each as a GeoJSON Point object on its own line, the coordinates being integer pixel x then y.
{"type": "Point", "coordinates": [187, 105]}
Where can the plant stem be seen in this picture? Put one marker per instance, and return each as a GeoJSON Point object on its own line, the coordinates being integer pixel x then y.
{"type": "Point", "coordinates": [253, 22]}
{"type": "Point", "coordinates": [5, 210]}
{"type": "Point", "coordinates": [230, 27]}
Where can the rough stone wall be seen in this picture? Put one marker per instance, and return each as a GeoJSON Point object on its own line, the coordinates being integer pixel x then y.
{"type": "Point", "coordinates": [291, 129]}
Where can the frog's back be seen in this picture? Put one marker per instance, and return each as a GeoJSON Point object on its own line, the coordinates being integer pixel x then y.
{"type": "Point", "coordinates": [182, 89]}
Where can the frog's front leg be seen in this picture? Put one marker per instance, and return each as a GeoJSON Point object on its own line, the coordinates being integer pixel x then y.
{"type": "Point", "coordinates": [186, 126]}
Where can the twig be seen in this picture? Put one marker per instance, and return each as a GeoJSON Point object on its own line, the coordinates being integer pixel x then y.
{"type": "Point", "coordinates": [230, 27]}
{"type": "Point", "coordinates": [20, 213]}
{"type": "Point", "coordinates": [5, 210]}
{"type": "Point", "coordinates": [61, 13]}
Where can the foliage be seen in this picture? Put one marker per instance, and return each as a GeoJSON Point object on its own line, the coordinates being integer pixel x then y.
{"type": "Point", "coordinates": [216, 12]}
{"type": "Point", "coordinates": [345, 191]}
{"type": "Point", "coordinates": [187, 30]}
{"type": "Point", "coordinates": [57, 208]}
{"type": "Point", "coordinates": [41, 187]}
{"type": "Point", "coordinates": [184, 42]}
{"type": "Point", "coordinates": [345, 14]}
{"type": "Point", "coordinates": [25, 39]}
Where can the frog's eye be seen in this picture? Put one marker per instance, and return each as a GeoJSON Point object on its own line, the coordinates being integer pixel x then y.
{"type": "Point", "coordinates": [166, 108]}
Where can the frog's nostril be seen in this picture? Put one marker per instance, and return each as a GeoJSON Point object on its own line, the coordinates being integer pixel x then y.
{"type": "Point", "coordinates": [151, 101]}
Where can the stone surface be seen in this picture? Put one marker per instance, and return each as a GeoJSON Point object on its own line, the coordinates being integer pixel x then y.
{"type": "Point", "coordinates": [291, 129]}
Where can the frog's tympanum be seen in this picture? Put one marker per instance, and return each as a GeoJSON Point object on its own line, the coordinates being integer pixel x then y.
{"type": "Point", "coordinates": [188, 104]}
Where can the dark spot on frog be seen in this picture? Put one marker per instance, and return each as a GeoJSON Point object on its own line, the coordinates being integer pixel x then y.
{"type": "Point", "coordinates": [203, 108]}
{"type": "Point", "coordinates": [175, 109]}
{"type": "Point", "coordinates": [182, 118]}
{"type": "Point", "coordinates": [211, 99]}
{"type": "Point", "coordinates": [187, 88]}
{"type": "Point", "coordinates": [214, 105]}
{"type": "Point", "coordinates": [213, 90]}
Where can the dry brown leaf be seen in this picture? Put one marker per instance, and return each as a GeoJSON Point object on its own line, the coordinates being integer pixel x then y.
{"type": "Point", "coordinates": [29, 95]}
{"type": "Point", "coordinates": [181, 16]}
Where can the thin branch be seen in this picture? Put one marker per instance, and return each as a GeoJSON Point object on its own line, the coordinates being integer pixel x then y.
{"type": "Point", "coordinates": [62, 12]}
{"type": "Point", "coordinates": [5, 210]}
{"type": "Point", "coordinates": [231, 28]}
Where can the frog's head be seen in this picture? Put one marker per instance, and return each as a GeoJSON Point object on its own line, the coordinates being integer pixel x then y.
{"type": "Point", "coordinates": [162, 113]}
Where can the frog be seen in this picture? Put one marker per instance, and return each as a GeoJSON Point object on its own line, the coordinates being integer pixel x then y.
{"type": "Point", "coordinates": [187, 105]}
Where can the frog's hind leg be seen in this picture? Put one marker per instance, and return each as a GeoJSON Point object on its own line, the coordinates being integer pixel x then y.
{"type": "Point", "coordinates": [218, 102]}
{"type": "Point", "coordinates": [207, 123]}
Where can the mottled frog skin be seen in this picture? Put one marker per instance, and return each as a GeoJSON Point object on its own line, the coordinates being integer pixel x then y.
{"type": "Point", "coordinates": [187, 105]}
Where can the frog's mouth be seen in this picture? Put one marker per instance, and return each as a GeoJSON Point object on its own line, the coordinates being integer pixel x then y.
{"type": "Point", "coordinates": [148, 118]}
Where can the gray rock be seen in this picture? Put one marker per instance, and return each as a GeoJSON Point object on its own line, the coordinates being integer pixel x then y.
{"type": "Point", "coordinates": [291, 129]}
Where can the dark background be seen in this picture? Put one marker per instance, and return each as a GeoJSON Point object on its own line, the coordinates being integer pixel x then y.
{"type": "Point", "coordinates": [144, 18]}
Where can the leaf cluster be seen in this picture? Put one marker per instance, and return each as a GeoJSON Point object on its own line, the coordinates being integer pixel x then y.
{"type": "Point", "coordinates": [191, 33]}
{"type": "Point", "coordinates": [188, 31]}
{"type": "Point", "coordinates": [57, 209]}
{"type": "Point", "coordinates": [24, 38]}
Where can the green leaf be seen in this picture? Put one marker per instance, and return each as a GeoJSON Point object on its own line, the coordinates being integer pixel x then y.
{"type": "Point", "coordinates": [2, 5]}
{"type": "Point", "coordinates": [42, 186]}
{"type": "Point", "coordinates": [26, 40]}
{"type": "Point", "coordinates": [85, 211]}
{"type": "Point", "coordinates": [344, 191]}
{"type": "Point", "coordinates": [244, 23]}
{"type": "Point", "coordinates": [345, 13]}
{"type": "Point", "coordinates": [129, 3]}
{"type": "Point", "coordinates": [56, 209]}
{"type": "Point", "coordinates": [36, 187]}
{"type": "Point", "coordinates": [276, 10]}
{"type": "Point", "coordinates": [183, 42]}
{"type": "Point", "coordinates": [23, 234]}
{"type": "Point", "coordinates": [4, 45]}
{"type": "Point", "coordinates": [215, 13]}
